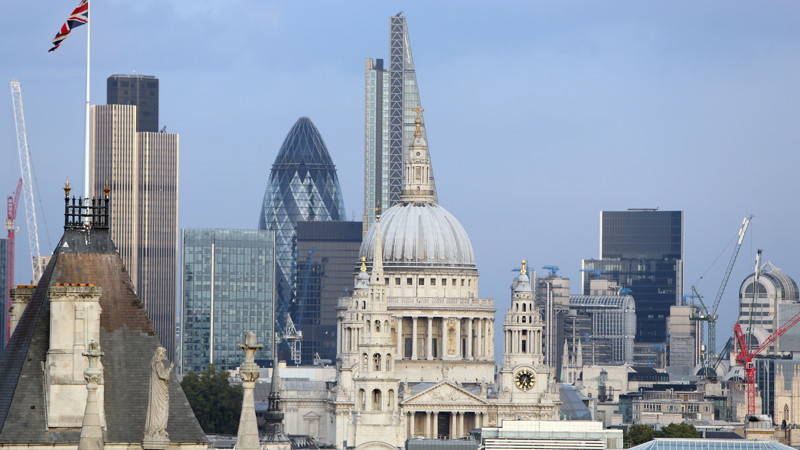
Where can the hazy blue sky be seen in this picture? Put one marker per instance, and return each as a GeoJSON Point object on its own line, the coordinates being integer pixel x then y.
{"type": "Point", "coordinates": [539, 114]}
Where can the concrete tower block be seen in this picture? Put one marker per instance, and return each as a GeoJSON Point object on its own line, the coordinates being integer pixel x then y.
{"type": "Point", "coordinates": [74, 321]}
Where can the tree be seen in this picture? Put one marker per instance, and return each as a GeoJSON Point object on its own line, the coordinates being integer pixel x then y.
{"type": "Point", "coordinates": [639, 434]}
{"type": "Point", "coordinates": [216, 404]}
{"type": "Point", "coordinates": [680, 430]}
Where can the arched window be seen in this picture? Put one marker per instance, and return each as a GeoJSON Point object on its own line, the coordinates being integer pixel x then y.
{"type": "Point", "coordinates": [386, 325]}
{"type": "Point", "coordinates": [524, 307]}
{"type": "Point", "coordinates": [364, 305]}
{"type": "Point", "coordinates": [376, 361]}
{"type": "Point", "coordinates": [388, 361]}
{"type": "Point", "coordinates": [376, 399]}
{"type": "Point", "coordinates": [362, 399]}
{"type": "Point", "coordinates": [377, 326]}
{"type": "Point", "coordinates": [364, 362]}
{"type": "Point", "coordinates": [390, 399]}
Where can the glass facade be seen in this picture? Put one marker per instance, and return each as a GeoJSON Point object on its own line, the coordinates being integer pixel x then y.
{"type": "Point", "coordinates": [391, 101]}
{"type": "Point", "coordinates": [228, 287]}
{"type": "Point", "coordinates": [139, 90]}
{"type": "Point", "coordinates": [327, 258]}
{"type": "Point", "coordinates": [303, 186]}
{"type": "Point", "coordinates": [606, 325]}
{"type": "Point", "coordinates": [642, 251]}
{"type": "Point", "coordinates": [5, 292]}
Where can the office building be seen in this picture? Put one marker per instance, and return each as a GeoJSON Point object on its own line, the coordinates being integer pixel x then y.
{"type": "Point", "coordinates": [140, 91]}
{"type": "Point", "coordinates": [711, 444]}
{"type": "Point", "coordinates": [562, 434]}
{"type": "Point", "coordinates": [302, 186]}
{"type": "Point", "coordinates": [685, 342]}
{"type": "Point", "coordinates": [606, 325]}
{"type": "Point", "coordinates": [642, 251]}
{"type": "Point", "coordinates": [227, 289]}
{"type": "Point", "coordinates": [326, 252]}
{"type": "Point", "coordinates": [759, 300]}
{"type": "Point", "coordinates": [551, 294]}
{"type": "Point", "coordinates": [141, 169]}
{"type": "Point", "coordinates": [5, 292]}
{"type": "Point", "coordinates": [391, 100]}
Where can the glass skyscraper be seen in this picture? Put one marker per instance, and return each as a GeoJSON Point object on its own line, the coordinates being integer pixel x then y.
{"type": "Point", "coordinates": [390, 109]}
{"type": "Point", "coordinates": [303, 186]}
{"type": "Point", "coordinates": [642, 250]}
{"type": "Point", "coordinates": [228, 287]}
{"type": "Point", "coordinates": [5, 291]}
{"type": "Point", "coordinates": [327, 253]}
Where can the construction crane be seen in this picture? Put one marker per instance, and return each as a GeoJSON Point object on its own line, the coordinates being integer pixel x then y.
{"type": "Point", "coordinates": [37, 266]}
{"type": "Point", "coordinates": [745, 357]}
{"type": "Point", "coordinates": [11, 226]}
{"type": "Point", "coordinates": [293, 339]}
{"type": "Point", "coordinates": [710, 314]}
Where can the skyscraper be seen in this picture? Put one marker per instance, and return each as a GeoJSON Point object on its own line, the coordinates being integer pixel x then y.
{"type": "Point", "coordinates": [138, 90]}
{"type": "Point", "coordinates": [326, 252]}
{"type": "Point", "coordinates": [642, 251]}
{"type": "Point", "coordinates": [5, 289]}
{"type": "Point", "coordinates": [228, 287]}
{"type": "Point", "coordinates": [141, 169]}
{"type": "Point", "coordinates": [391, 100]}
{"type": "Point", "coordinates": [303, 186]}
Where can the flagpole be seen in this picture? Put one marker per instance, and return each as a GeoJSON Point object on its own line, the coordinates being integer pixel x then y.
{"type": "Point", "coordinates": [86, 191]}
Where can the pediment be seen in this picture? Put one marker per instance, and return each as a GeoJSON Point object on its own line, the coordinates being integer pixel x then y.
{"type": "Point", "coordinates": [442, 394]}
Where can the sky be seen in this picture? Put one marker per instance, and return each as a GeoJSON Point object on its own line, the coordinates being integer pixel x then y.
{"type": "Point", "coordinates": [539, 114]}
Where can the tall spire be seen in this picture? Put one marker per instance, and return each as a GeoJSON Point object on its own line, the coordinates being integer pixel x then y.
{"type": "Point", "coordinates": [417, 178]}
{"type": "Point", "coordinates": [377, 257]}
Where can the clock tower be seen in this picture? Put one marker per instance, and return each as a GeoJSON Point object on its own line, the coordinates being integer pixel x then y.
{"type": "Point", "coordinates": [524, 377]}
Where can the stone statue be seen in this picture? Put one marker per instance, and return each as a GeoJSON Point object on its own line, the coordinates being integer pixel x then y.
{"type": "Point", "coordinates": [155, 427]}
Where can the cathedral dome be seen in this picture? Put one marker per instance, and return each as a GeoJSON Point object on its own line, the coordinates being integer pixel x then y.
{"type": "Point", "coordinates": [421, 234]}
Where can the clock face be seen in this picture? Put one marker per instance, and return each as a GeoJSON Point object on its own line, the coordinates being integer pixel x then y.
{"type": "Point", "coordinates": [524, 379]}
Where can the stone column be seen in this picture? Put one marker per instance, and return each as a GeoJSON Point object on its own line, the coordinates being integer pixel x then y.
{"type": "Point", "coordinates": [490, 336]}
{"type": "Point", "coordinates": [453, 422]}
{"type": "Point", "coordinates": [400, 343]}
{"type": "Point", "coordinates": [247, 438]}
{"type": "Point", "coordinates": [413, 419]}
{"type": "Point", "coordinates": [339, 337]}
{"type": "Point", "coordinates": [459, 354]}
{"type": "Point", "coordinates": [414, 338]}
{"type": "Point", "coordinates": [436, 425]}
{"type": "Point", "coordinates": [479, 340]}
{"type": "Point", "coordinates": [461, 424]}
{"type": "Point", "coordinates": [91, 429]}
{"type": "Point", "coordinates": [428, 424]}
{"type": "Point", "coordinates": [429, 349]}
{"type": "Point", "coordinates": [469, 338]}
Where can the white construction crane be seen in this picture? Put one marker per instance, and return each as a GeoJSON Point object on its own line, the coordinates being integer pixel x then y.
{"type": "Point", "coordinates": [27, 181]}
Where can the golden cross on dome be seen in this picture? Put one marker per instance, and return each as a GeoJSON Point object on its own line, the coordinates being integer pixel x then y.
{"type": "Point", "coordinates": [363, 263]}
{"type": "Point", "coordinates": [524, 269]}
{"type": "Point", "coordinates": [418, 120]}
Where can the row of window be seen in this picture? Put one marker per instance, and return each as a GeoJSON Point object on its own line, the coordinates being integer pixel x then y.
{"type": "Point", "coordinates": [376, 398]}
{"type": "Point", "coordinates": [432, 281]}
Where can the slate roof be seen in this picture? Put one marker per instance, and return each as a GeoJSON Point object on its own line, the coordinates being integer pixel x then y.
{"type": "Point", "coordinates": [126, 336]}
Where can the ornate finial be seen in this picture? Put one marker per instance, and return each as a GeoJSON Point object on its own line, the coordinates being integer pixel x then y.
{"type": "Point", "coordinates": [378, 214]}
{"type": "Point", "coordinates": [524, 269]}
{"type": "Point", "coordinates": [363, 263]}
{"type": "Point", "coordinates": [418, 121]}
{"type": "Point", "coordinates": [67, 188]}
{"type": "Point", "coordinates": [106, 189]}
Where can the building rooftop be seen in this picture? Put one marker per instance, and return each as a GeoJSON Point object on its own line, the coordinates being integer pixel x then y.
{"type": "Point", "coordinates": [710, 444]}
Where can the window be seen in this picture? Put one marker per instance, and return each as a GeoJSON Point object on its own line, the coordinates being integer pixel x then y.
{"type": "Point", "coordinates": [409, 281]}
{"type": "Point", "coordinates": [397, 281]}
{"type": "Point", "coordinates": [433, 281]}
{"type": "Point", "coordinates": [462, 282]}
{"type": "Point", "coordinates": [376, 399]}
{"type": "Point", "coordinates": [376, 361]}
{"type": "Point", "coordinates": [454, 282]}
{"type": "Point", "coordinates": [422, 281]}
{"type": "Point", "coordinates": [444, 281]}
{"type": "Point", "coordinates": [362, 399]}
{"type": "Point", "coordinates": [388, 361]}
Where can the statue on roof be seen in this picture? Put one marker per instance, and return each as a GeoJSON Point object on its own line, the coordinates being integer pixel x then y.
{"type": "Point", "coordinates": [155, 427]}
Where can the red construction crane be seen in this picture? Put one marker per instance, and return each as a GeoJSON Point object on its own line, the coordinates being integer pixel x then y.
{"type": "Point", "coordinates": [745, 357]}
{"type": "Point", "coordinates": [11, 210]}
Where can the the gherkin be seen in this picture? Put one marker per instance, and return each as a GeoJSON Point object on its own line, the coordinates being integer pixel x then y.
{"type": "Point", "coordinates": [303, 186]}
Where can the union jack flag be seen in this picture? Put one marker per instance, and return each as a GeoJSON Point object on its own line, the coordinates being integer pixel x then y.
{"type": "Point", "coordinates": [78, 17]}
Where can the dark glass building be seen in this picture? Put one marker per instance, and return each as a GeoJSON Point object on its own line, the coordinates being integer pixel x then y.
{"type": "Point", "coordinates": [228, 287]}
{"type": "Point", "coordinates": [327, 253]}
{"type": "Point", "coordinates": [5, 292]}
{"type": "Point", "coordinates": [642, 251]}
{"type": "Point", "coordinates": [139, 90]}
{"type": "Point", "coordinates": [303, 186]}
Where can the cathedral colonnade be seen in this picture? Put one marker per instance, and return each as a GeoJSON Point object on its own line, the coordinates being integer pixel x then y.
{"type": "Point", "coordinates": [444, 337]}
{"type": "Point", "coordinates": [442, 424]}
